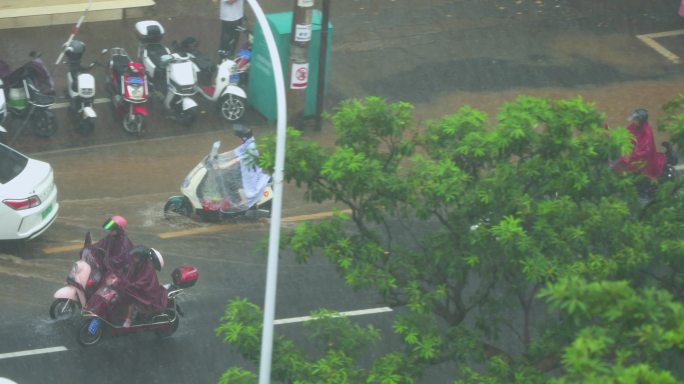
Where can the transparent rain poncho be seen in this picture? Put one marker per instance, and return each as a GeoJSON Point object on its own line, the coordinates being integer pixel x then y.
{"type": "Point", "coordinates": [233, 182]}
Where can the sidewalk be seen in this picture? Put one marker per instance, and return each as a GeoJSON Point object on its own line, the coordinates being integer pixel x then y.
{"type": "Point", "coordinates": [37, 13]}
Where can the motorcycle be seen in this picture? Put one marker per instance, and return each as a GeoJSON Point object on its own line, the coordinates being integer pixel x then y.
{"type": "Point", "coordinates": [82, 281]}
{"type": "Point", "coordinates": [98, 317]}
{"type": "Point", "coordinates": [221, 82]}
{"type": "Point", "coordinates": [30, 92]}
{"type": "Point", "coordinates": [173, 75]}
{"type": "Point", "coordinates": [80, 88]}
{"type": "Point", "coordinates": [225, 185]}
{"type": "Point", "coordinates": [126, 83]}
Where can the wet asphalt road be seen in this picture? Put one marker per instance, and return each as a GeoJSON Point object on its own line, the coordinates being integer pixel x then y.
{"type": "Point", "coordinates": [437, 54]}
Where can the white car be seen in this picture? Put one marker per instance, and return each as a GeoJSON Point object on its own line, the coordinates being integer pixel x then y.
{"type": "Point", "coordinates": [28, 195]}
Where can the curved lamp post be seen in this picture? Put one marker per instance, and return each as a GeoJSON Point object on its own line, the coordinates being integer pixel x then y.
{"type": "Point", "coordinates": [274, 236]}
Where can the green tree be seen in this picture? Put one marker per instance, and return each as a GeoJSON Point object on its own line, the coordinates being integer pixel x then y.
{"type": "Point", "coordinates": [471, 226]}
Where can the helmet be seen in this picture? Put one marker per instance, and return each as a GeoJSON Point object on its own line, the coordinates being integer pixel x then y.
{"type": "Point", "coordinates": [115, 222]}
{"type": "Point", "coordinates": [145, 253]}
{"type": "Point", "coordinates": [74, 49]}
{"type": "Point", "coordinates": [157, 259]}
{"type": "Point", "coordinates": [640, 115]}
{"type": "Point", "coordinates": [242, 132]}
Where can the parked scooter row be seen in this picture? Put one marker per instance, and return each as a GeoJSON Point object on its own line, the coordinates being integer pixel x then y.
{"type": "Point", "coordinates": [175, 75]}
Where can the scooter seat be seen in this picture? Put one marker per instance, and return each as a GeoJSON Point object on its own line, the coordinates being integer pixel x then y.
{"type": "Point", "coordinates": [119, 65]}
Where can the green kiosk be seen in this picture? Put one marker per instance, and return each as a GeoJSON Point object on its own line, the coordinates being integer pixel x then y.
{"type": "Point", "coordinates": [261, 88]}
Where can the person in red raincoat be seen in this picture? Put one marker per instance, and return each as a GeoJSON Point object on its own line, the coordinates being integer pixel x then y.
{"type": "Point", "coordinates": [644, 158]}
{"type": "Point", "coordinates": [115, 246]}
{"type": "Point", "coordinates": [142, 291]}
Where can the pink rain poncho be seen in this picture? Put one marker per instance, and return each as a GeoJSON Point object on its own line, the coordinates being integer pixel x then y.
{"type": "Point", "coordinates": [142, 287]}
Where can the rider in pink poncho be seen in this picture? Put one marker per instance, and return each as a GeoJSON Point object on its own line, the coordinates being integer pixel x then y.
{"type": "Point", "coordinates": [644, 158]}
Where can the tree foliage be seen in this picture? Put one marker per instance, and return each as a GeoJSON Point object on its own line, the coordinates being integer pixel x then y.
{"type": "Point", "coordinates": [483, 230]}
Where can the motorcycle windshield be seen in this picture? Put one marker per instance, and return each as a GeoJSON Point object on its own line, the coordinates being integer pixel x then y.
{"type": "Point", "coordinates": [35, 70]}
{"type": "Point", "coordinates": [41, 77]}
{"type": "Point", "coordinates": [232, 182]}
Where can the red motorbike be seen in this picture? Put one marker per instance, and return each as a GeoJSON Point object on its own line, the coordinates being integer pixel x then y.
{"type": "Point", "coordinates": [126, 83]}
{"type": "Point", "coordinates": [99, 315]}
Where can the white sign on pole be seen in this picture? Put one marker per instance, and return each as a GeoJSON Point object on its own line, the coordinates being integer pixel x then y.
{"type": "Point", "coordinates": [302, 32]}
{"type": "Point", "coordinates": [305, 3]}
{"type": "Point", "coordinates": [299, 76]}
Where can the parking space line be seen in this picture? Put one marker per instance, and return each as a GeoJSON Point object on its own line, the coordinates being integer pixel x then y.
{"type": "Point", "coordinates": [649, 39]}
{"type": "Point", "coordinates": [64, 105]}
{"type": "Point", "coordinates": [32, 352]}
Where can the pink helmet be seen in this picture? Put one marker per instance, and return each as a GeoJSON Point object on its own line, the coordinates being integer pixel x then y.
{"type": "Point", "coordinates": [115, 222]}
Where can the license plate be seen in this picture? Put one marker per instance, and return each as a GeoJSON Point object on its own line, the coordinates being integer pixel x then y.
{"type": "Point", "coordinates": [46, 212]}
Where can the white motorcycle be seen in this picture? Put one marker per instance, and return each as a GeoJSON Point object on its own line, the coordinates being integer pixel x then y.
{"type": "Point", "coordinates": [3, 110]}
{"type": "Point", "coordinates": [172, 75]}
{"type": "Point", "coordinates": [221, 83]}
{"type": "Point", "coordinates": [80, 88]}
{"type": "Point", "coordinates": [224, 185]}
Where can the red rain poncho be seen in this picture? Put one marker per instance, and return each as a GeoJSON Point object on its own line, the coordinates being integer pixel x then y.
{"type": "Point", "coordinates": [644, 157]}
{"type": "Point", "coordinates": [142, 287]}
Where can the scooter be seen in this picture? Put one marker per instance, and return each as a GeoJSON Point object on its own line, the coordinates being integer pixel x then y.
{"type": "Point", "coordinates": [82, 281]}
{"type": "Point", "coordinates": [221, 84]}
{"type": "Point", "coordinates": [3, 111]}
{"type": "Point", "coordinates": [126, 83]}
{"type": "Point", "coordinates": [80, 88]}
{"type": "Point", "coordinates": [30, 94]}
{"type": "Point", "coordinates": [225, 185]}
{"type": "Point", "coordinates": [173, 75]}
{"type": "Point", "coordinates": [98, 319]}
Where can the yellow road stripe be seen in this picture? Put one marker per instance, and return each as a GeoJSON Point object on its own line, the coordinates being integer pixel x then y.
{"type": "Point", "coordinates": [200, 230]}
{"type": "Point", "coordinates": [62, 249]}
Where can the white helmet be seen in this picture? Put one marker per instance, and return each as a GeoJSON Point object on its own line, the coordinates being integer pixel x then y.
{"type": "Point", "coordinates": [157, 259]}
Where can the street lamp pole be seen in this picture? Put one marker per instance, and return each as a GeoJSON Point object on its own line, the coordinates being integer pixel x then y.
{"type": "Point", "coordinates": [274, 236]}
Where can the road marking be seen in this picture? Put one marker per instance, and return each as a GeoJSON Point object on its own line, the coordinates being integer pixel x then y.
{"type": "Point", "coordinates": [290, 320]}
{"type": "Point", "coordinates": [62, 248]}
{"type": "Point", "coordinates": [201, 230]}
{"type": "Point", "coordinates": [360, 312]}
{"type": "Point", "coordinates": [222, 227]}
{"type": "Point", "coordinates": [649, 39]}
{"type": "Point", "coordinates": [64, 105]}
{"type": "Point", "coordinates": [32, 352]}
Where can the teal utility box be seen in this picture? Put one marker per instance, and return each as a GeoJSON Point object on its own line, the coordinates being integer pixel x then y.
{"type": "Point", "coordinates": [261, 85]}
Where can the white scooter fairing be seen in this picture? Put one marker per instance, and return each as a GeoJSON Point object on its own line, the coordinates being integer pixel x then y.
{"type": "Point", "coordinates": [3, 107]}
{"type": "Point", "coordinates": [85, 83]}
{"type": "Point", "coordinates": [80, 272]}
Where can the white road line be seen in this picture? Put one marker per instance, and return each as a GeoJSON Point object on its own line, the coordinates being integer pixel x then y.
{"type": "Point", "coordinates": [31, 352]}
{"type": "Point", "coordinates": [341, 314]}
{"type": "Point", "coordinates": [290, 320]}
{"type": "Point", "coordinates": [649, 39]}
